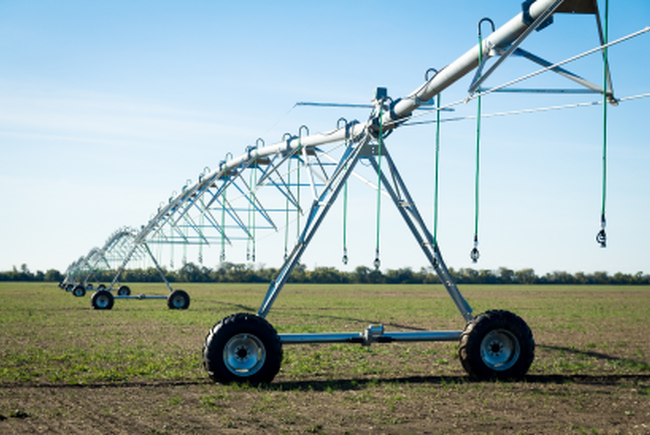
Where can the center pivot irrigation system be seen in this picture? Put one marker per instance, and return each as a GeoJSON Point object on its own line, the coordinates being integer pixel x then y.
{"type": "Point", "coordinates": [123, 246]}
{"type": "Point", "coordinates": [265, 189]}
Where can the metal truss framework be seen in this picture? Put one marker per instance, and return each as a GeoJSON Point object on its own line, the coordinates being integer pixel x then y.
{"type": "Point", "coordinates": [266, 188]}
{"type": "Point", "coordinates": [259, 189]}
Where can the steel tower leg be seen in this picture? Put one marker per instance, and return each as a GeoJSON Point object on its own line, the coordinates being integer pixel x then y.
{"type": "Point", "coordinates": [402, 200]}
{"type": "Point", "coordinates": [407, 208]}
{"type": "Point", "coordinates": [316, 214]}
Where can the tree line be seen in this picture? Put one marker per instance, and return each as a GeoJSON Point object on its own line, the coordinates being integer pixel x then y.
{"type": "Point", "coordinates": [239, 272]}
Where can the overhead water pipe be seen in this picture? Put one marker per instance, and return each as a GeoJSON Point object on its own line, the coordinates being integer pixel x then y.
{"type": "Point", "coordinates": [401, 110]}
{"type": "Point", "coordinates": [453, 72]}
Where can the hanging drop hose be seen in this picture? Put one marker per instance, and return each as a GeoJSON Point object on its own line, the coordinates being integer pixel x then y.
{"type": "Point", "coordinates": [251, 215]}
{"type": "Point", "coordinates": [435, 180]}
{"type": "Point", "coordinates": [201, 223]}
{"type": "Point", "coordinates": [185, 245]}
{"type": "Point", "coordinates": [252, 201]}
{"type": "Point", "coordinates": [286, 223]}
{"type": "Point", "coordinates": [250, 234]}
{"type": "Point", "coordinates": [345, 202]}
{"type": "Point", "coordinates": [159, 248]}
{"type": "Point", "coordinates": [171, 236]}
{"type": "Point", "coordinates": [377, 262]}
{"type": "Point", "coordinates": [222, 257]}
{"type": "Point", "coordinates": [601, 237]}
{"type": "Point", "coordinates": [248, 214]}
{"type": "Point", "coordinates": [345, 220]}
{"type": "Point", "coordinates": [254, 196]}
{"type": "Point", "coordinates": [225, 175]}
{"type": "Point", "coordinates": [474, 254]}
{"type": "Point", "coordinates": [298, 151]}
{"type": "Point", "coordinates": [298, 188]}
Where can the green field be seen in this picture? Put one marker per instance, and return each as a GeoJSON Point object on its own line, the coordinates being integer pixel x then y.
{"type": "Point", "coordinates": [586, 337]}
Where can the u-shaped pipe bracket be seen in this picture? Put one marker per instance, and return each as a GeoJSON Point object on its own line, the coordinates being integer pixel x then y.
{"type": "Point", "coordinates": [480, 36]}
{"type": "Point", "coordinates": [345, 125]}
{"type": "Point", "coordinates": [287, 138]}
{"type": "Point", "coordinates": [301, 128]}
{"type": "Point", "coordinates": [426, 74]}
{"type": "Point", "coordinates": [484, 20]}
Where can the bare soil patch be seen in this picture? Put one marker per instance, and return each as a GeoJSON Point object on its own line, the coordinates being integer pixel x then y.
{"type": "Point", "coordinates": [422, 405]}
{"type": "Point", "coordinates": [67, 369]}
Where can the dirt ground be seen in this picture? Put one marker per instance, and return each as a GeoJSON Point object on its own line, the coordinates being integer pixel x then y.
{"type": "Point", "coordinates": [423, 405]}
{"type": "Point", "coordinates": [590, 375]}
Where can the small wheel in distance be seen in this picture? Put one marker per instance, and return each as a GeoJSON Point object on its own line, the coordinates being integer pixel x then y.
{"type": "Point", "coordinates": [242, 348]}
{"type": "Point", "coordinates": [101, 287]}
{"type": "Point", "coordinates": [497, 344]}
{"type": "Point", "coordinates": [102, 300]}
{"type": "Point", "coordinates": [178, 300]}
{"type": "Point", "coordinates": [79, 291]}
{"type": "Point", "coordinates": [123, 291]}
{"type": "Point", "coordinates": [69, 287]}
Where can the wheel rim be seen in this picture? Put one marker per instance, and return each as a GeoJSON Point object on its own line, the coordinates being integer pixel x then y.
{"type": "Point", "coordinates": [244, 355]}
{"type": "Point", "coordinates": [178, 301]}
{"type": "Point", "coordinates": [500, 349]}
{"type": "Point", "coordinates": [101, 301]}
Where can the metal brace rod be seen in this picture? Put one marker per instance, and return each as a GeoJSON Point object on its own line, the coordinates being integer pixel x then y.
{"type": "Point", "coordinates": [315, 217]}
{"type": "Point", "coordinates": [538, 21]}
{"type": "Point", "coordinates": [228, 208]}
{"type": "Point", "coordinates": [407, 208]}
{"type": "Point", "coordinates": [128, 258]}
{"type": "Point", "coordinates": [162, 275]}
{"type": "Point", "coordinates": [563, 72]}
{"type": "Point", "coordinates": [253, 199]}
{"type": "Point", "coordinates": [405, 205]}
{"type": "Point", "coordinates": [309, 173]}
{"type": "Point", "coordinates": [362, 338]}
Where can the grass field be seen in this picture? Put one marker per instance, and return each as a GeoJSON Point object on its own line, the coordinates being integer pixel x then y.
{"type": "Point", "coordinates": [66, 368]}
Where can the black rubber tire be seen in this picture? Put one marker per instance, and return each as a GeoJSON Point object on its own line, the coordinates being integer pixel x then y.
{"type": "Point", "coordinates": [79, 291]}
{"type": "Point", "coordinates": [69, 287]}
{"type": "Point", "coordinates": [497, 345]}
{"type": "Point", "coordinates": [124, 291]}
{"type": "Point", "coordinates": [242, 348]}
{"type": "Point", "coordinates": [101, 287]}
{"type": "Point", "coordinates": [102, 300]}
{"type": "Point", "coordinates": [178, 300]}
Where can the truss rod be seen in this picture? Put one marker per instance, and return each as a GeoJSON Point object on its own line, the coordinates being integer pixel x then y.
{"type": "Point", "coordinates": [317, 213]}
{"type": "Point", "coordinates": [413, 219]}
{"type": "Point", "coordinates": [400, 110]}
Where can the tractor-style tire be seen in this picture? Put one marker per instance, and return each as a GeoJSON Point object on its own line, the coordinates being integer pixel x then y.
{"type": "Point", "coordinates": [123, 291]}
{"type": "Point", "coordinates": [497, 344]}
{"type": "Point", "coordinates": [101, 287]}
{"type": "Point", "coordinates": [102, 300]}
{"type": "Point", "coordinates": [178, 300]}
{"type": "Point", "coordinates": [242, 348]}
{"type": "Point", "coordinates": [79, 291]}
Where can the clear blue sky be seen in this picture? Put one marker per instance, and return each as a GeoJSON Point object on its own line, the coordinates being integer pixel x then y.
{"type": "Point", "coordinates": [108, 107]}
